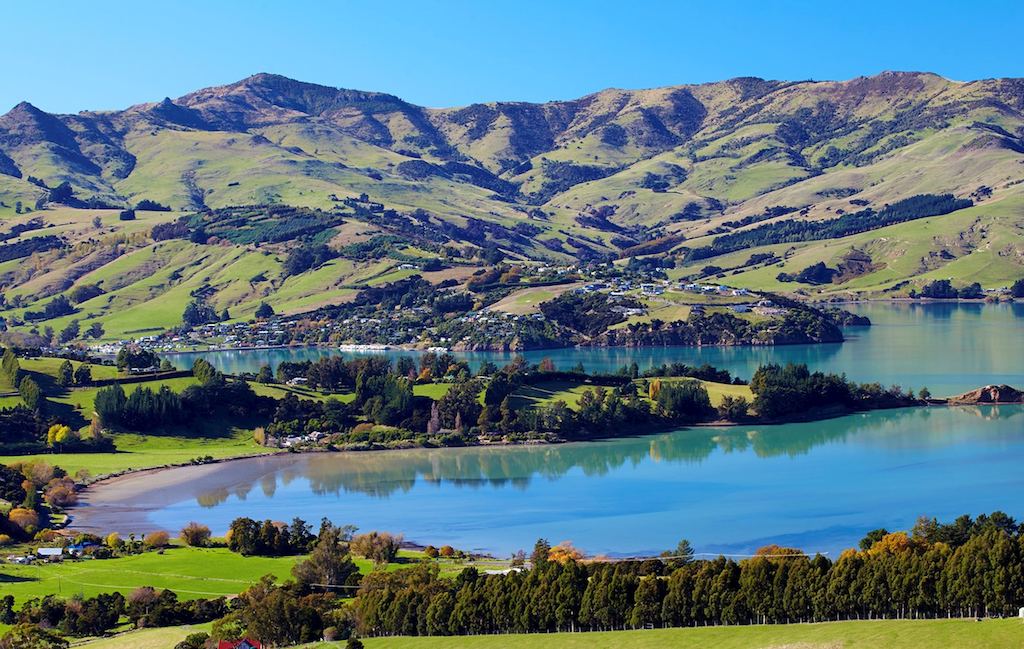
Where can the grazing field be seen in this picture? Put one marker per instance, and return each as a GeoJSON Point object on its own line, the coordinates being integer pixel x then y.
{"type": "Point", "coordinates": [191, 572]}
{"type": "Point", "coordinates": [162, 638]}
{"type": "Point", "coordinates": [888, 634]}
{"type": "Point", "coordinates": [549, 392]}
{"type": "Point", "coordinates": [141, 451]}
{"type": "Point", "coordinates": [570, 392]}
{"type": "Point", "coordinates": [528, 300]}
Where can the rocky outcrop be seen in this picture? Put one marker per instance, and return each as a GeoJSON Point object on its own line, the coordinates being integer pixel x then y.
{"type": "Point", "coordinates": [990, 394]}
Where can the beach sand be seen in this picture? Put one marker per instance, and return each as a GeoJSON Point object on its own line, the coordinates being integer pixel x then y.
{"type": "Point", "coordinates": [123, 503]}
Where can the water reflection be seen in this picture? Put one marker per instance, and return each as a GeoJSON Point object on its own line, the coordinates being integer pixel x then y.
{"type": "Point", "coordinates": [384, 474]}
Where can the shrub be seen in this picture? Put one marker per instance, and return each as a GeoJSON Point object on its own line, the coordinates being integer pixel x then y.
{"type": "Point", "coordinates": [380, 547]}
{"type": "Point", "coordinates": [156, 540]}
{"type": "Point", "coordinates": [113, 541]}
{"type": "Point", "coordinates": [447, 551]}
{"type": "Point", "coordinates": [61, 493]}
{"type": "Point", "coordinates": [194, 641]}
{"type": "Point", "coordinates": [127, 215]}
{"type": "Point", "coordinates": [147, 205]}
{"type": "Point", "coordinates": [431, 552]}
{"type": "Point", "coordinates": [26, 519]}
{"type": "Point", "coordinates": [196, 535]}
{"type": "Point", "coordinates": [5, 540]}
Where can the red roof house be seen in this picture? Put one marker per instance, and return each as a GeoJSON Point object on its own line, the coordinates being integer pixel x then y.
{"type": "Point", "coordinates": [244, 643]}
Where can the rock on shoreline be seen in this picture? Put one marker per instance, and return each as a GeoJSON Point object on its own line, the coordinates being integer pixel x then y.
{"type": "Point", "coordinates": [989, 394]}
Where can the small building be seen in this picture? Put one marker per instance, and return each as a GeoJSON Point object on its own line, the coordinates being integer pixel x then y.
{"type": "Point", "coordinates": [245, 643]}
{"type": "Point", "coordinates": [50, 554]}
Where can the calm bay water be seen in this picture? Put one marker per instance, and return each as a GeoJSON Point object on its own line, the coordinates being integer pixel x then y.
{"type": "Point", "coordinates": [819, 486]}
{"type": "Point", "coordinates": [947, 347]}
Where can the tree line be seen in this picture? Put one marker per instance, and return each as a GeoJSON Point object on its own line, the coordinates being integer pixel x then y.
{"type": "Point", "coordinates": [929, 573]}
{"type": "Point", "coordinates": [145, 409]}
{"type": "Point", "coordinates": [793, 230]}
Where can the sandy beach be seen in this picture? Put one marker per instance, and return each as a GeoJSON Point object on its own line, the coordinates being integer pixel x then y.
{"type": "Point", "coordinates": [123, 503]}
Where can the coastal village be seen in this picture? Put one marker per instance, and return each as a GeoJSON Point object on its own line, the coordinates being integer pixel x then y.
{"type": "Point", "coordinates": [397, 329]}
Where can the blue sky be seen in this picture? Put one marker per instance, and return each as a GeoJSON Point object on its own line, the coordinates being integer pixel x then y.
{"type": "Point", "coordinates": [71, 56]}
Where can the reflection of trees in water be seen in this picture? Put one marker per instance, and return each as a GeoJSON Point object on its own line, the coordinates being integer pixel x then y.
{"type": "Point", "coordinates": [383, 474]}
{"type": "Point", "coordinates": [212, 497]}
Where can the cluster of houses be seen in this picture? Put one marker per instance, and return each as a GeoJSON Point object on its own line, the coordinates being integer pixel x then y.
{"type": "Point", "coordinates": [52, 554]}
{"type": "Point", "coordinates": [295, 441]}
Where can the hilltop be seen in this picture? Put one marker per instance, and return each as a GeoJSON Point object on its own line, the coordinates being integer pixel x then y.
{"type": "Point", "coordinates": [667, 172]}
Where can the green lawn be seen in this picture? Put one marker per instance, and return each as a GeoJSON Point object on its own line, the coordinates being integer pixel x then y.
{"type": "Point", "coordinates": [191, 572]}
{"type": "Point", "coordinates": [921, 634]}
{"type": "Point", "coordinates": [570, 392]}
{"type": "Point", "coordinates": [141, 451]}
{"type": "Point", "coordinates": [433, 390]}
{"type": "Point", "coordinates": [163, 638]}
{"type": "Point", "coordinates": [549, 391]}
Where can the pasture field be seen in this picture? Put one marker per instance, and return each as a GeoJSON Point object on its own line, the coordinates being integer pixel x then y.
{"type": "Point", "coordinates": [886, 634]}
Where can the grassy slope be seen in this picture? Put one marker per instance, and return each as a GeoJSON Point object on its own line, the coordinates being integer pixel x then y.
{"type": "Point", "coordinates": [571, 391]}
{"type": "Point", "coordinates": [938, 634]}
{"type": "Point", "coordinates": [161, 638]}
{"type": "Point", "coordinates": [982, 240]}
{"type": "Point", "coordinates": [190, 572]}
{"type": "Point", "coordinates": [143, 451]}
{"type": "Point", "coordinates": [922, 634]}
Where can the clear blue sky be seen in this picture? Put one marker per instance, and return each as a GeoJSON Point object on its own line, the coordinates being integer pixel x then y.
{"type": "Point", "coordinates": [71, 56]}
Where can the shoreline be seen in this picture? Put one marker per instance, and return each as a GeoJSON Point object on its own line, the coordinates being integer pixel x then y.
{"type": "Point", "coordinates": [117, 494]}
{"type": "Point", "coordinates": [414, 348]}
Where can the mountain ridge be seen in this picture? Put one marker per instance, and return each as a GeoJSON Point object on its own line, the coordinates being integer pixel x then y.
{"type": "Point", "coordinates": [615, 174]}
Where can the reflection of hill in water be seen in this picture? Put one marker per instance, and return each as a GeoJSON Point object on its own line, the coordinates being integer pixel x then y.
{"type": "Point", "coordinates": [381, 474]}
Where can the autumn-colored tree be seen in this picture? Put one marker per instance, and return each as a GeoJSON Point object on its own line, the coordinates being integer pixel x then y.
{"type": "Point", "coordinates": [563, 552]}
{"type": "Point", "coordinates": [196, 535]}
{"type": "Point", "coordinates": [26, 519]}
{"type": "Point", "coordinates": [60, 492]}
{"type": "Point", "coordinates": [653, 389]}
{"type": "Point", "coordinates": [894, 543]}
{"type": "Point", "coordinates": [58, 435]}
{"type": "Point", "coordinates": [156, 540]}
{"type": "Point", "coordinates": [380, 547]}
{"type": "Point", "coordinates": [113, 541]}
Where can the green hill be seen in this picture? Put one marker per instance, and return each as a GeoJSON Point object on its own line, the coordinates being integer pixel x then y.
{"type": "Point", "coordinates": [614, 174]}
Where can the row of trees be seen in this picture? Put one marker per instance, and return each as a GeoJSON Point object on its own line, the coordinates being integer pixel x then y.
{"type": "Point", "coordinates": [214, 396]}
{"type": "Point", "coordinates": [943, 289]}
{"type": "Point", "coordinates": [899, 576]}
{"type": "Point", "coordinates": [792, 230]}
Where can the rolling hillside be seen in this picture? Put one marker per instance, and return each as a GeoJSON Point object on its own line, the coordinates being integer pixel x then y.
{"type": "Point", "coordinates": [615, 174]}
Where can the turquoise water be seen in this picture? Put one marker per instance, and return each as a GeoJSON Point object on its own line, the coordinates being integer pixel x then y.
{"type": "Point", "coordinates": [819, 486]}
{"type": "Point", "coordinates": [947, 347]}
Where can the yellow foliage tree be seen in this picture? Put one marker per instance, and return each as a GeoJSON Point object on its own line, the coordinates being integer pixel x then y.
{"type": "Point", "coordinates": [654, 389]}
{"type": "Point", "coordinates": [563, 552]}
{"type": "Point", "coordinates": [895, 543]}
{"type": "Point", "coordinates": [59, 434]}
